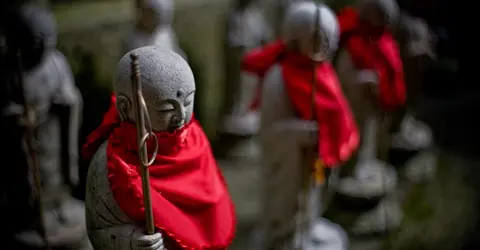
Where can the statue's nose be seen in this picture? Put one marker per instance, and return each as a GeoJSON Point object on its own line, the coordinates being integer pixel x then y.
{"type": "Point", "coordinates": [179, 117]}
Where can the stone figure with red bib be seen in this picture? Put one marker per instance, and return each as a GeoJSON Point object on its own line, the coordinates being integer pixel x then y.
{"type": "Point", "coordinates": [190, 204]}
{"type": "Point", "coordinates": [306, 128]}
{"type": "Point", "coordinates": [370, 69]}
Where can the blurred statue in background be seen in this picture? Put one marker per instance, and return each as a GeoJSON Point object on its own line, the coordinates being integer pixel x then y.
{"type": "Point", "coordinates": [246, 29]}
{"type": "Point", "coordinates": [153, 26]}
{"type": "Point", "coordinates": [190, 204]}
{"type": "Point", "coordinates": [40, 112]}
{"type": "Point", "coordinates": [416, 44]}
{"type": "Point", "coordinates": [370, 68]}
{"type": "Point", "coordinates": [307, 129]}
{"type": "Point", "coordinates": [275, 11]}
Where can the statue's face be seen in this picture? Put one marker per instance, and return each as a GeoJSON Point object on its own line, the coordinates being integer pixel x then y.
{"type": "Point", "coordinates": [168, 88]}
{"type": "Point", "coordinates": [172, 107]}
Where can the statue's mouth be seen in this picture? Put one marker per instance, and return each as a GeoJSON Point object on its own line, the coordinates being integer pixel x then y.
{"type": "Point", "coordinates": [174, 126]}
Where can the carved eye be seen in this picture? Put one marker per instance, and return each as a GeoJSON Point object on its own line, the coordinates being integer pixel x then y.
{"type": "Point", "coordinates": [189, 99]}
{"type": "Point", "coordinates": [166, 108]}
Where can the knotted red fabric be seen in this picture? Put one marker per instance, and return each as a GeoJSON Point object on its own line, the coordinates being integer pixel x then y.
{"type": "Point", "coordinates": [374, 48]}
{"type": "Point", "coordinates": [338, 133]}
{"type": "Point", "coordinates": [190, 201]}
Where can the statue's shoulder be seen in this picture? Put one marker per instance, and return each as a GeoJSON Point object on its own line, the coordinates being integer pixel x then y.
{"type": "Point", "coordinates": [99, 199]}
{"type": "Point", "coordinates": [61, 77]}
{"type": "Point", "coordinates": [97, 178]}
{"type": "Point", "coordinates": [413, 28]}
{"type": "Point", "coordinates": [273, 78]}
{"type": "Point", "coordinates": [58, 60]}
{"type": "Point", "coordinates": [57, 67]}
{"type": "Point", "coordinates": [97, 171]}
{"type": "Point", "coordinates": [99, 161]}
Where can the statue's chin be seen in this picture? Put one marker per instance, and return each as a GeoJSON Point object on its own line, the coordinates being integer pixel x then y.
{"type": "Point", "coordinates": [174, 127]}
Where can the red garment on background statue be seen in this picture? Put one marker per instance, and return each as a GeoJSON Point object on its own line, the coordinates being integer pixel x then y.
{"type": "Point", "coordinates": [374, 48]}
{"type": "Point", "coordinates": [190, 201]}
{"type": "Point", "coordinates": [338, 135]}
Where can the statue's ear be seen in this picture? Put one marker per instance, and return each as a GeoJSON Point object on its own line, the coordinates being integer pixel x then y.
{"type": "Point", "coordinates": [124, 107]}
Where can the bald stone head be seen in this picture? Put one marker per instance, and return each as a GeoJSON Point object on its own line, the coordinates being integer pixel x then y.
{"type": "Point", "coordinates": [312, 29]}
{"type": "Point", "coordinates": [32, 30]}
{"type": "Point", "coordinates": [168, 88]}
{"type": "Point", "coordinates": [379, 12]}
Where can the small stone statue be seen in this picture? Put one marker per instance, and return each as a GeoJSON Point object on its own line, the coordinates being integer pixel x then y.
{"type": "Point", "coordinates": [417, 46]}
{"type": "Point", "coordinates": [190, 203]}
{"type": "Point", "coordinates": [37, 80]}
{"type": "Point", "coordinates": [246, 30]}
{"type": "Point", "coordinates": [371, 72]}
{"type": "Point", "coordinates": [153, 26]}
{"type": "Point", "coordinates": [304, 116]}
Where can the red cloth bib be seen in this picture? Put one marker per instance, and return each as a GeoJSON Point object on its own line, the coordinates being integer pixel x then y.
{"type": "Point", "coordinates": [374, 48]}
{"type": "Point", "coordinates": [190, 200]}
{"type": "Point", "coordinates": [338, 135]}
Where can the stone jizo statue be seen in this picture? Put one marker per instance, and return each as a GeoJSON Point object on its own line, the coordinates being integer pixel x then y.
{"type": "Point", "coordinates": [306, 122]}
{"type": "Point", "coordinates": [246, 29]}
{"type": "Point", "coordinates": [37, 78]}
{"type": "Point", "coordinates": [417, 46]}
{"type": "Point", "coordinates": [371, 71]}
{"type": "Point", "coordinates": [190, 203]}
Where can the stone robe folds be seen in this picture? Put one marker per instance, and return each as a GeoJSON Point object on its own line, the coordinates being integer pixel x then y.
{"type": "Point", "coordinates": [287, 132]}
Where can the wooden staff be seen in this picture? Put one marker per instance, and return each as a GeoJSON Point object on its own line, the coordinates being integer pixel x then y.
{"type": "Point", "coordinates": [142, 136]}
{"type": "Point", "coordinates": [28, 120]}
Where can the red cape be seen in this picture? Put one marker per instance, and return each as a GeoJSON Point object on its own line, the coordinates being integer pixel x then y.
{"type": "Point", "coordinates": [338, 135]}
{"type": "Point", "coordinates": [190, 200]}
{"type": "Point", "coordinates": [375, 49]}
